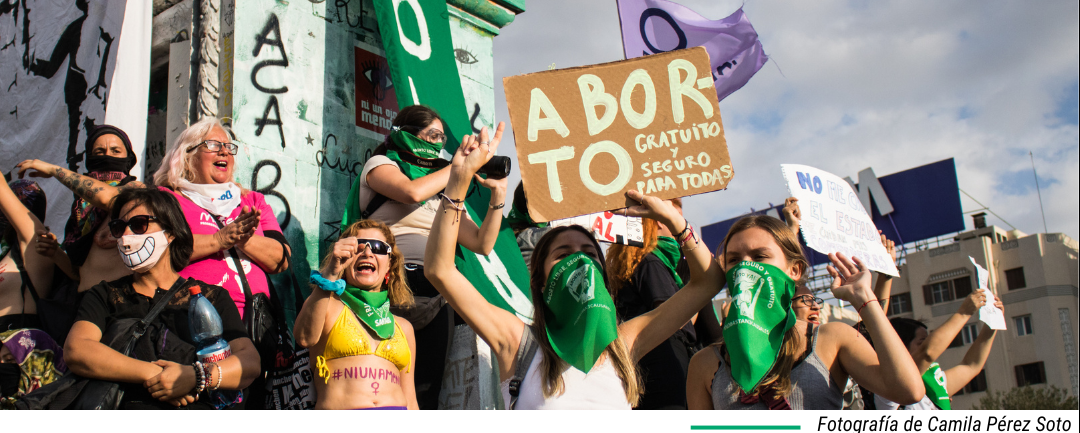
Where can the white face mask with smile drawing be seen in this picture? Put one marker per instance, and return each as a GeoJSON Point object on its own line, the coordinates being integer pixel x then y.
{"type": "Point", "coordinates": [142, 252]}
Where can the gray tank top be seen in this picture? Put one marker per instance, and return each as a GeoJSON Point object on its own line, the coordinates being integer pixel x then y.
{"type": "Point", "coordinates": [812, 387]}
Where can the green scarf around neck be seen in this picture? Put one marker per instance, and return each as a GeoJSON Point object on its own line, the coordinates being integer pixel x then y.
{"type": "Point", "coordinates": [372, 308]}
{"type": "Point", "coordinates": [934, 380]}
{"type": "Point", "coordinates": [759, 316]}
{"type": "Point", "coordinates": [579, 314]}
{"type": "Point", "coordinates": [667, 250]}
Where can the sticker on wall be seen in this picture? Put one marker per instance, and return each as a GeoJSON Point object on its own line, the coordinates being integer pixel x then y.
{"type": "Point", "coordinates": [376, 103]}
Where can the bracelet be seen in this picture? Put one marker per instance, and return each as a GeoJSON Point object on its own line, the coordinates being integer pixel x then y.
{"type": "Point", "coordinates": [336, 287]}
{"type": "Point", "coordinates": [497, 206]}
{"type": "Point", "coordinates": [458, 205]}
{"type": "Point", "coordinates": [684, 230]}
{"type": "Point", "coordinates": [200, 379]}
{"type": "Point", "coordinates": [683, 240]}
{"type": "Point", "coordinates": [859, 310]}
{"type": "Point", "coordinates": [218, 384]}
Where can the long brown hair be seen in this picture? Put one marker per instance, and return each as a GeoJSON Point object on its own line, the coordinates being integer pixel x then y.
{"type": "Point", "coordinates": [400, 294]}
{"type": "Point", "coordinates": [622, 260]}
{"type": "Point", "coordinates": [551, 366]}
{"type": "Point", "coordinates": [780, 376]}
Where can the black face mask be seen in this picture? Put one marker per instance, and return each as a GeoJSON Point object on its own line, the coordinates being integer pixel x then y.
{"type": "Point", "coordinates": [9, 379]}
{"type": "Point", "coordinates": [103, 163]}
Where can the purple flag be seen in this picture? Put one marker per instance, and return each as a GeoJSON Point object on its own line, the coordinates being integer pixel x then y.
{"type": "Point", "coordinates": [656, 26]}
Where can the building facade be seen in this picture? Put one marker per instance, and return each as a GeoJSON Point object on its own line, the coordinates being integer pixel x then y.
{"type": "Point", "coordinates": [1036, 278]}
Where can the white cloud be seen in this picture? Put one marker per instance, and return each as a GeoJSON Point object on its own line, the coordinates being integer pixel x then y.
{"type": "Point", "coordinates": [888, 85]}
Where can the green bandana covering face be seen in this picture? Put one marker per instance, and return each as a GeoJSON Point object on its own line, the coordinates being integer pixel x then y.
{"type": "Point", "coordinates": [371, 308]}
{"type": "Point", "coordinates": [667, 249]}
{"type": "Point", "coordinates": [402, 141]}
{"type": "Point", "coordinates": [760, 314]}
{"type": "Point", "coordinates": [580, 315]}
{"type": "Point", "coordinates": [934, 380]}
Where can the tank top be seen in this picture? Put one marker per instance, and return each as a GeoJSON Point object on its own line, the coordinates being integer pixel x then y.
{"type": "Point", "coordinates": [601, 388]}
{"type": "Point", "coordinates": [812, 387]}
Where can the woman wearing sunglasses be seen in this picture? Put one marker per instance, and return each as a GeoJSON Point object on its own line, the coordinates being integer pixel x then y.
{"type": "Point", "coordinates": [365, 354]}
{"type": "Point", "coordinates": [398, 187]}
{"type": "Point", "coordinates": [230, 225]}
{"type": "Point", "coordinates": [155, 244]}
{"type": "Point", "coordinates": [795, 364]}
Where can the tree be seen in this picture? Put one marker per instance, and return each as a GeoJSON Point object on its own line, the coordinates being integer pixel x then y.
{"type": "Point", "coordinates": [1028, 398]}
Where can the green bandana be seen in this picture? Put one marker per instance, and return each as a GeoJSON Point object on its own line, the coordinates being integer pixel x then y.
{"type": "Point", "coordinates": [580, 316]}
{"type": "Point", "coordinates": [667, 249]}
{"type": "Point", "coordinates": [760, 314]}
{"type": "Point", "coordinates": [519, 215]}
{"type": "Point", "coordinates": [934, 380]}
{"type": "Point", "coordinates": [402, 141]}
{"type": "Point", "coordinates": [371, 308]}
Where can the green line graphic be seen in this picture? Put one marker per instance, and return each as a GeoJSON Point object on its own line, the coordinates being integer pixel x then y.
{"type": "Point", "coordinates": [745, 427]}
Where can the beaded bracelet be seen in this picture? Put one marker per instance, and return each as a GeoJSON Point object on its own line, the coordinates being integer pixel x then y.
{"type": "Point", "coordinates": [218, 384]}
{"type": "Point", "coordinates": [200, 377]}
{"type": "Point", "coordinates": [859, 310]}
{"type": "Point", "coordinates": [336, 287]}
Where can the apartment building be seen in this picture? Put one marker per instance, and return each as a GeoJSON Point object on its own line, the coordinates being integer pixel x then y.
{"type": "Point", "coordinates": [1036, 278]}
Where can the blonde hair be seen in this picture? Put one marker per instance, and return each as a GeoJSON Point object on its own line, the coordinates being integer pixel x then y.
{"type": "Point", "coordinates": [780, 376]}
{"type": "Point", "coordinates": [551, 366]}
{"type": "Point", "coordinates": [400, 294]}
{"type": "Point", "coordinates": [178, 163]}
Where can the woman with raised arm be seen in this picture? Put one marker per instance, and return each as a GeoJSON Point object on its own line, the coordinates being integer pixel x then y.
{"type": "Point", "coordinates": [793, 364]}
{"type": "Point", "coordinates": [22, 269]}
{"type": "Point", "coordinates": [925, 348]}
{"type": "Point", "coordinates": [398, 187]}
{"type": "Point", "coordinates": [156, 242]}
{"type": "Point", "coordinates": [365, 355]}
{"type": "Point", "coordinates": [576, 363]}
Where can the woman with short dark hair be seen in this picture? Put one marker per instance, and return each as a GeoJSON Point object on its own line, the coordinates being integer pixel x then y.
{"type": "Point", "coordinates": [156, 243]}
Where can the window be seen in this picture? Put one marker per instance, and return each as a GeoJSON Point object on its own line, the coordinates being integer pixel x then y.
{"type": "Point", "coordinates": [969, 333]}
{"type": "Point", "coordinates": [1014, 278]}
{"type": "Point", "coordinates": [946, 291]}
{"type": "Point", "coordinates": [1023, 325]}
{"type": "Point", "coordinates": [977, 384]}
{"type": "Point", "coordinates": [956, 342]}
{"type": "Point", "coordinates": [1030, 374]}
{"type": "Point", "coordinates": [900, 304]}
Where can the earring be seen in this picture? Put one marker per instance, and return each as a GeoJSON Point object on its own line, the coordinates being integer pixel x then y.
{"type": "Point", "coordinates": [386, 281]}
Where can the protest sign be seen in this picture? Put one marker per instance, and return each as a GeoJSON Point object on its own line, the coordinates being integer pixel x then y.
{"type": "Point", "coordinates": [587, 135]}
{"type": "Point", "coordinates": [609, 227]}
{"type": "Point", "coordinates": [833, 218]}
{"type": "Point", "coordinates": [989, 313]}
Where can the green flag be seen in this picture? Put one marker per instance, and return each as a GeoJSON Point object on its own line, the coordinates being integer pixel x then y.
{"type": "Point", "coordinates": [934, 380]}
{"type": "Point", "coordinates": [760, 314]}
{"type": "Point", "coordinates": [419, 49]}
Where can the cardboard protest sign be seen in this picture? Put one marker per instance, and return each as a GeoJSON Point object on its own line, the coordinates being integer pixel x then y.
{"type": "Point", "coordinates": [833, 218]}
{"type": "Point", "coordinates": [989, 313]}
{"type": "Point", "coordinates": [609, 227]}
{"type": "Point", "coordinates": [587, 135]}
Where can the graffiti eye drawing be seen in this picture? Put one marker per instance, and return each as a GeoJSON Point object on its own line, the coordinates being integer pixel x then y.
{"type": "Point", "coordinates": [464, 56]}
{"type": "Point", "coordinates": [378, 75]}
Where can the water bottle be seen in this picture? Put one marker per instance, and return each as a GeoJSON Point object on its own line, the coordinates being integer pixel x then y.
{"type": "Point", "coordinates": [206, 329]}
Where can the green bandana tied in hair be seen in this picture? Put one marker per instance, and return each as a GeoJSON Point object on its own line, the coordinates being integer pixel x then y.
{"type": "Point", "coordinates": [934, 380]}
{"type": "Point", "coordinates": [579, 313]}
{"type": "Point", "coordinates": [372, 308]}
{"type": "Point", "coordinates": [760, 314]}
{"type": "Point", "coordinates": [667, 250]}
{"type": "Point", "coordinates": [519, 215]}
{"type": "Point", "coordinates": [403, 147]}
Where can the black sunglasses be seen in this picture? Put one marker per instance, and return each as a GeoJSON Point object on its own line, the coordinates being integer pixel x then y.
{"type": "Point", "coordinates": [375, 246]}
{"type": "Point", "coordinates": [215, 146]}
{"type": "Point", "coordinates": [138, 224]}
{"type": "Point", "coordinates": [808, 300]}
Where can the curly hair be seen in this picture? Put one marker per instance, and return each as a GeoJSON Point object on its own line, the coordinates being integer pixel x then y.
{"type": "Point", "coordinates": [400, 294]}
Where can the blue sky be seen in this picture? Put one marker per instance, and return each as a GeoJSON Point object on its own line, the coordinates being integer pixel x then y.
{"type": "Point", "coordinates": [889, 85]}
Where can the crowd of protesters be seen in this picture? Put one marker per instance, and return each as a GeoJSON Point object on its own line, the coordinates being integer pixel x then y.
{"type": "Point", "coordinates": [619, 327]}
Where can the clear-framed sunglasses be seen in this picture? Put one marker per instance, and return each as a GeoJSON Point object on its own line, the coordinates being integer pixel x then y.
{"type": "Point", "coordinates": [808, 300]}
{"type": "Point", "coordinates": [215, 146]}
